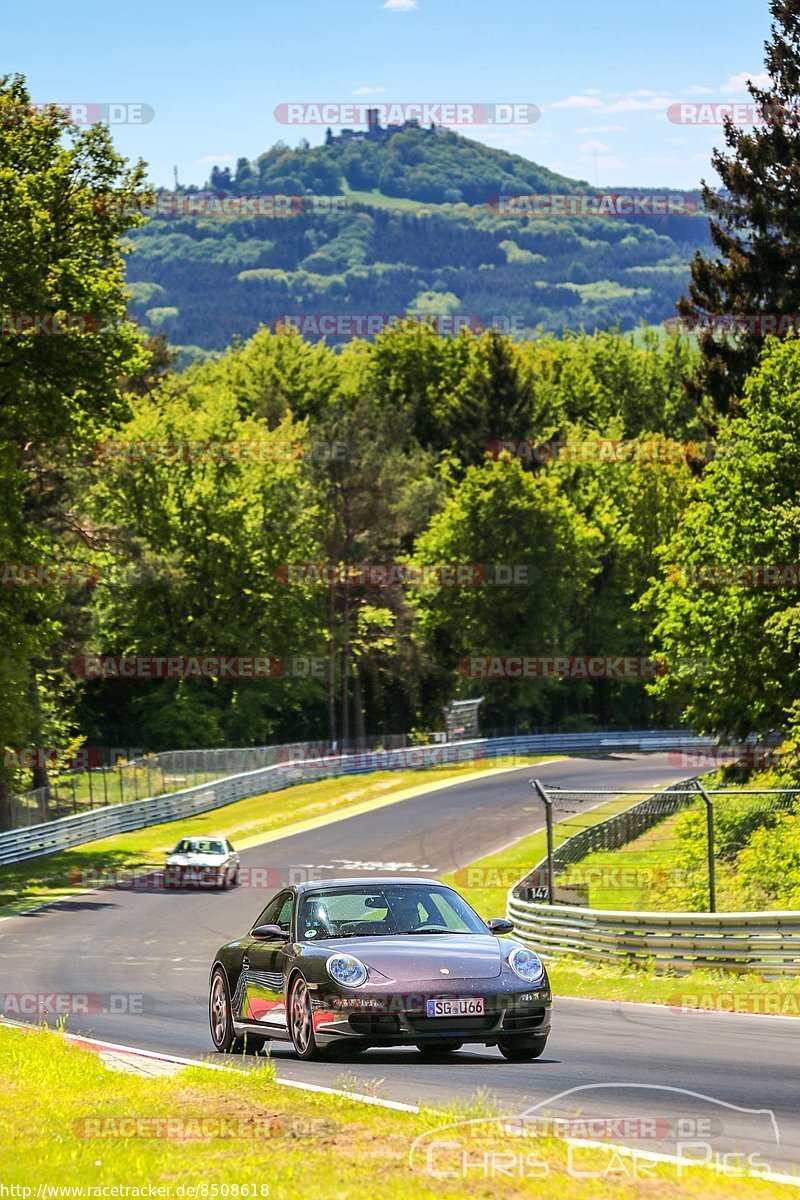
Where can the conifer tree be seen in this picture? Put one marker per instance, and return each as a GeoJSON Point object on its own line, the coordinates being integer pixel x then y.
{"type": "Point", "coordinates": [754, 226]}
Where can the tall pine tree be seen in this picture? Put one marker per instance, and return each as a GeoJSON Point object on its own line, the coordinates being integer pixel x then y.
{"type": "Point", "coordinates": [754, 225]}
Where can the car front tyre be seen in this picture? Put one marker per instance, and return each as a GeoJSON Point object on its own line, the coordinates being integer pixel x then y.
{"type": "Point", "coordinates": [522, 1049]}
{"type": "Point", "coordinates": [301, 1020]}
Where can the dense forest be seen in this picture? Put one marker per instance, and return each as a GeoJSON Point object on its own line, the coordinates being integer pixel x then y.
{"type": "Point", "coordinates": [281, 454]}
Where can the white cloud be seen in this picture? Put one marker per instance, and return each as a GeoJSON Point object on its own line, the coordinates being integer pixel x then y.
{"type": "Point", "coordinates": [639, 103]}
{"type": "Point", "coordinates": [699, 89]}
{"type": "Point", "coordinates": [640, 100]}
{"type": "Point", "coordinates": [578, 102]}
{"type": "Point", "coordinates": [521, 140]}
{"type": "Point", "coordinates": [368, 91]}
{"type": "Point", "coordinates": [593, 148]}
{"type": "Point", "coordinates": [401, 5]}
{"type": "Point", "coordinates": [674, 160]}
{"type": "Point", "coordinates": [591, 92]}
{"type": "Point", "coordinates": [517, 134]}
{"type": "Point", "coordinates": [738, 83]}
{"type": "Point", "coordinates": [216, 158]}
{"type": "Point", "coordinates": [604, 162]}
{"type": "Point", "coordinates": [602, 129]}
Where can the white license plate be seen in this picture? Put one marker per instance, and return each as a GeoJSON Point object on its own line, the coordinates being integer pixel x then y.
{"type": "Point", "coordinates": [472, 1006]}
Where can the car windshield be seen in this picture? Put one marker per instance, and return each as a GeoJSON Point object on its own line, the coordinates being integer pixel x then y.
{"type": "Point", "coordinates": [364, 911]}
{"type": "Point", "coordinates": [199, 846]}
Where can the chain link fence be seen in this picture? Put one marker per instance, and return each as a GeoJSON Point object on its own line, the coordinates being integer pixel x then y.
{"type": "Point", "coordinates": [673, 850]}
{"type": "Point", "coordinates": [75, 791]}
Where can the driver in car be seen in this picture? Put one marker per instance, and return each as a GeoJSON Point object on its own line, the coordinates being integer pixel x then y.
{"type": "Point", "coordinates": [405, 912]}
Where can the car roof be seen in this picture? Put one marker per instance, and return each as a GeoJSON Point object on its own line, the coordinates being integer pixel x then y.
{"type": "Point", "coordinates": [369, 881]}
{"type": "Point", "coordinates": [202, 837]}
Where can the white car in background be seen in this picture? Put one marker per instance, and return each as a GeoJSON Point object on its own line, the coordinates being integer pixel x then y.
{"type": "Point", "coordinates": [209, 862]}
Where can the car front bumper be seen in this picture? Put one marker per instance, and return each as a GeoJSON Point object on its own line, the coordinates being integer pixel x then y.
{"type": "Point", "coordinates": [185, 875]}
{"type": "Point", "coordinates": [400, 1018]}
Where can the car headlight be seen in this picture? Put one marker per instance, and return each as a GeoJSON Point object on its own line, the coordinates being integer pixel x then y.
{"type": "Point", "coordinates": [346, 970]}
{"type": "Point", "coordinates": [526, 964]}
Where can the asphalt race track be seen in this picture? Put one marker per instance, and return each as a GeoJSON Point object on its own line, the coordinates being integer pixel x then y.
{"type": "Point", "coordinates": [158, 946]}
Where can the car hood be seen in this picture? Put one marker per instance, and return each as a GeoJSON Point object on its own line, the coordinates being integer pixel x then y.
{"type": "Point", "coordinates": [196, 860]}
{"type": "Point", "coordinates": [423, 956]}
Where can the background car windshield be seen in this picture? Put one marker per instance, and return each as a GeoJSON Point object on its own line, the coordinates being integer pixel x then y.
{"type": "Point", "coordinates": [199, 846]}
{"type": "Point", "coordinates": [384, 911]}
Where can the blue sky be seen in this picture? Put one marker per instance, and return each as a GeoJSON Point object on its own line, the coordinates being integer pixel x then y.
{"type": "Point", "coordinates": [603, 75]}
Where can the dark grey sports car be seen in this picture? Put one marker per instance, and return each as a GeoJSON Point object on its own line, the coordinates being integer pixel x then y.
{"type": "Point", "coordinates": [379, 962]}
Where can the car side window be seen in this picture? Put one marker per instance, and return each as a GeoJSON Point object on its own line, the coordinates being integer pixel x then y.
{"type": "Point", "coordinates": [277, 912]}
{"type": "Point", "coordinates": [285, 915]}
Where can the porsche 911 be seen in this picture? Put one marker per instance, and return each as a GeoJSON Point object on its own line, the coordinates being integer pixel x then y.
{"type": "Point", "coordinates": [345, 965]}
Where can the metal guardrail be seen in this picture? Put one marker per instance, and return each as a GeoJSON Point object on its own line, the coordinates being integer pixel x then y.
{"type": "Point", "coordinates": [630, 741]}
{"type": "Point", "coordinates": [766, 943]}
{"type": "Point", "coordinates": [49, 837]}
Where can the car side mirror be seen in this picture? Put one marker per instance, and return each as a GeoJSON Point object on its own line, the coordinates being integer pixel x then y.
{"type": "Point", "coordinates": [500, 925]}
{"type": "Point", "coordinates": [270, 933]}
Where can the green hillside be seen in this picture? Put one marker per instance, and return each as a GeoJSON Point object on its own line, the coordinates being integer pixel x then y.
{"type": "Point", "coordinates": [403, 223]}
{"type": "Point", "coordinates": [431, 165]}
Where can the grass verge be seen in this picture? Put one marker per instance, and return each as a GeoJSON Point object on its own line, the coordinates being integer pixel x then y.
{"type": "Point", "coordinates": [485, 883]}
{"type": "Point", "coordinates": [71, 1123]}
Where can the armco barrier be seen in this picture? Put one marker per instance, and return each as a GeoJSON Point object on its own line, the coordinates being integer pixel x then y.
{"type": "Point", "coordinates": [764, 942]}
{"type": "Point", "coordinates": [49, 837]}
